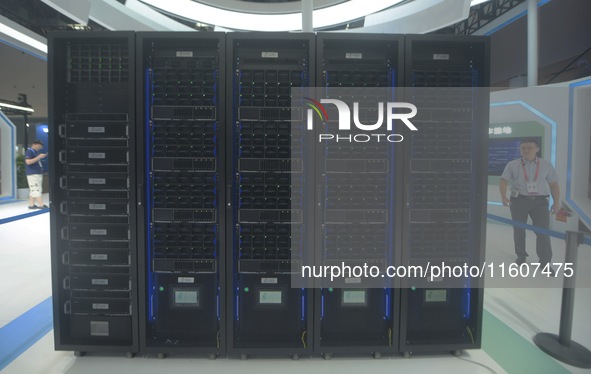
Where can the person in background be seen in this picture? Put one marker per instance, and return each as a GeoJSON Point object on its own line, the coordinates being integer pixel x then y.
{"type": "Point", "coordinates": [34, 171]}
{"type": "Point", "coordinates": [532, 180]}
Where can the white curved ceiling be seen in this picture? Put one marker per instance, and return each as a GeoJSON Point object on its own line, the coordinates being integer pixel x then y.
{"type": "Point", "coordinates": [379, 16]}
{"type": "Point", "coordinates": [264, 7]}
{"type": "Point", "coordinates": [289, 20]}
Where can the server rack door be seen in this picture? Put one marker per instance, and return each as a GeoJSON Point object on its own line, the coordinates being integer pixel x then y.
{"type": "Point", "coordinates": [269, 206]}
{"type": "Point", "coordinates": [93, 220]}
{"type": "Point", "coordinates": [181, 107]}
{"type": "Point", "coordinates": [358, 192]}
{"type": "Point", "coordinates": [445, 188]}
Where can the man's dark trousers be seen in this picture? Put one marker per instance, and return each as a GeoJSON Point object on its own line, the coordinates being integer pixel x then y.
{"type": "Point", "coordinates": [537, 208]}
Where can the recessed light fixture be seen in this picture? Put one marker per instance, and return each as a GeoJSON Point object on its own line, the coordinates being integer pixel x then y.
{"type": "Point", "coordinates": [11, 32]}
{"type": "Point", "coordinates": [476, 2]}
{"type": "Point", "coordinates": [17, 107]}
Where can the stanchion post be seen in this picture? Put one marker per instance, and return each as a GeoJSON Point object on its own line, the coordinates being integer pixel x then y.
{"type": "Point", "coordinates": [561, 346]}
{"type": "Point", "coordinates": [573, 240]}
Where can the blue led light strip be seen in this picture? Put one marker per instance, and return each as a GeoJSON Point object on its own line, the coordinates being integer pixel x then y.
{"type": "Point", "coordinates": [467, 293]}
{"type": "Point", "coordinates": [475, 147]}
{"type": "Point", "coordinates": [148, 147]}
{"type": "Point", "coordinates": [235, 198]}
{"type": "Point", "coordinates": [387, 292]}
{"type": "Point", "coordinates": [391, 203]}
{"type": "Point", "coordinates": [303, 317]}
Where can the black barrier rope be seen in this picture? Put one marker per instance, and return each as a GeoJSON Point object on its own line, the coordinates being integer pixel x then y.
{"type": "Point", "coordinates": [556, 234]}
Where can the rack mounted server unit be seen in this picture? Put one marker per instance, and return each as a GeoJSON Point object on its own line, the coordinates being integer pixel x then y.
{"type": "Point", "coordinates": [358, 198]}
{"type": "Point", "coordinates": [181, 110]}
{"type": "Point", "coordinates": [445, 188]}
{"type": "Point", "coordinates": [93, 244]}
{"type": "Point", "coordinates": [269, 199]}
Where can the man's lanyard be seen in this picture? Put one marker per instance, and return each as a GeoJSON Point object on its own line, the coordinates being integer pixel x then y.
{"type": "Point", "coordinates": [41, 165]}
{"type": "Point", "coordinates": [537, 170]}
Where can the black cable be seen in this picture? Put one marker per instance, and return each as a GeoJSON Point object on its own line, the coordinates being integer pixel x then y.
{"type": "Point", "coordinates": [567, 66]}
{"type": "Point", "coordinates": [477, 363]}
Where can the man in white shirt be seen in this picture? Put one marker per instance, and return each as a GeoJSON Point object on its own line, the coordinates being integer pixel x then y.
{"type": "Point", "coordinates": [532, 180]}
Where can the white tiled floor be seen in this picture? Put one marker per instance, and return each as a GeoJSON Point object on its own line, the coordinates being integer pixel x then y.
{"type": "Point", "coordinates": [529, 311]}
{"type": "Point", "coordinates": [25, 280]}
{"type": "Point", "coordinates": [532, 310]}
{"type": "Point", "coordinates": [11, 209]}
{"type": "Point", "coordinates": [42, 359]}
{"type": "Point", "coordinates": [25, 267]}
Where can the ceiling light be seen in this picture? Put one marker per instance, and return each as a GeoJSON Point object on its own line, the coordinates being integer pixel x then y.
{"type": "Point", "coordinates": [4, 29]}
{"type": "Point", "coordinates": [79, 26]}
{"type": "Point", "coordinates": [16, 107]}
{"type": "Point", "coordinates": [476, 2]}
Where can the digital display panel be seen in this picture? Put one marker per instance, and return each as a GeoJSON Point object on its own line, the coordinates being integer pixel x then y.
{"type": "Point", "coordinates": [270, 297]}
{"type": "Point", "coordinates": [186, 297]}
{"type": "Point", "coordinates": [435, 296]}
{"type": "Point", "coordinates": [354, 297]}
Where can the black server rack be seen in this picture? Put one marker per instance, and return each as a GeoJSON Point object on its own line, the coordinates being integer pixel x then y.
{"type": "Point", "coordinates": [93, 244]}
{"type": "Point", "coordinates": [358, 194]}
{"type": "Point", "coordinates": [181, 105]}
{"type": "Point", "coordinates": [445, 189]}
{"type": "Point", "coordinates": [269, 198]}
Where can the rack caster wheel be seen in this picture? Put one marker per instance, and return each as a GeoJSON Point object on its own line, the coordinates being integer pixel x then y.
{"type": "Point", "coordinates": [295, 356]}
{"type": "Point", "coordinates": [377, 355]}
{"type": "Point", "coordinates": [244, 356]}
{"type": "Point", "coordinates": [456, 352]}
{"type": "Point", "coordinates": [129, 355]}
{"type": "Point", "coordinates": [161, 356]}
{"type": "Point", "coordinates": [327, 356]}
{"type": "Point", "coordinates": [212, 356]}
{"type": "Point", "coordinates": [406, 354]}
{"type": "Point", "coordinates": [79, 353]}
